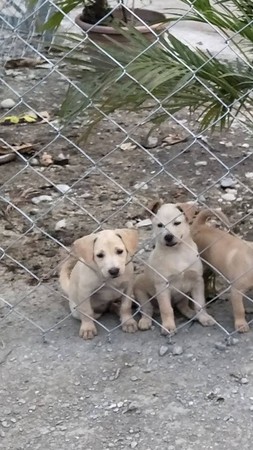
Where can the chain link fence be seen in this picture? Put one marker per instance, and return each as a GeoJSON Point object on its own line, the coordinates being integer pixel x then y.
{"type": "Point", "coordinates": [56, 189]}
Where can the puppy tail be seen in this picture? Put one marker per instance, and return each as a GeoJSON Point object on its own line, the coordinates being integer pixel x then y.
{"type": "Point", "coordinates": [65, 273]}
{"type": "Point", "coordinates": [205, 214]}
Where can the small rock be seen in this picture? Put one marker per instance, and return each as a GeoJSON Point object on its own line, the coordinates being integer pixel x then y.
{"type": "Point", "coordinates": [249, 175]}
{"type": "Point", "coordinates": [130, 224]}
{"type": "Point", "coordinates": [133, 444]}
{"type": "Point", "coordinates": [244, 380]}
{"type": "Point", "coordinates": [132, 406]}
{"type": "Point", "coordinates": [2, 433]}
{"type": "Point", "coordinates": [228, 197]}
{"type": "Point", "coordinates": [41, 198]}
{"type": "Point", "coordinates": [232, 341]}
{"type": "Point", "coordinates": [60, 225]}
{"type": "Point", "coordinates": [229, 144]}
{"type": "Point", "coordinates": [227, 182]}
{"type": "Point", "coordinates": [150, 142]}
{"type": "Point", "coordinates": [127, 146]}
{"type": "Point", "coordinates": [177, 350]}
{"type": "Point", "coordinates": [202, 199]}
{"type": "Point", "coordinates": [63, 188]}
{"type": "Point", "coordinates": [245, 145]}
{"type": "Point", "coordinates": [251, 408]}
{"type": "Point", "coordinates": [8, 103]}
{"type": "Point", "coordinates": [144, 223]}
{"type": "Point", "coordinates": [34, 162]}
{"type": "Point", "coordinates": [220, 346]}
{"type": "Point", "coordinates": [134, 378]}
{"type": "Point", "coordinates": [5, 424]}
{"type": "Point", "coordinates": [163, 350]}
{"type": "Point", "coordinates": [200, 163]}
{"type": "Point", "coordinates": [142, 185]}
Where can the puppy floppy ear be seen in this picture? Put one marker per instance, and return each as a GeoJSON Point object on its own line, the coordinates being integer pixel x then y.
{"type": "Point", "coordinates": [84, 247]}
{"type": "Point", "coordinates": [129, 238]}
{"type": "Point", "coordinates": [190, 210]}
{"type": "Point", "coordinates": [154, 206]}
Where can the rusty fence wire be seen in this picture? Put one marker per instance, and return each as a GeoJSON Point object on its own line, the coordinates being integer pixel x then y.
{"type": "Point", "coordinates": [54, 189]}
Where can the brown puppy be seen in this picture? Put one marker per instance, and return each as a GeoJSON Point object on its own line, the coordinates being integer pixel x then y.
{"type": "Point", "coordinates": [99, 272]}
{"type": "Point", "coordinates": [230, 256]}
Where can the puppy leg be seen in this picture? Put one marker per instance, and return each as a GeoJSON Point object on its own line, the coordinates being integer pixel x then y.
{"type": "Point", "coordinates": [166, 310]}
{"type": "Point", "coordinates": [143, 299]}
{"type": "Point", "coordinates": [88, 328]}
{"type": "Point", "coordinates": [199, 304]}
{"type": "Point", "coordinates": [184, 308]}
{"type": "Point", "coordinates": [239, 311]}
{"type": "Point", "coordinates": [128, 323]}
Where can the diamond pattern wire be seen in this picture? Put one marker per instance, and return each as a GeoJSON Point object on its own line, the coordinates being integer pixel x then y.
{"type": "Point", "coordinates": [108, 181]}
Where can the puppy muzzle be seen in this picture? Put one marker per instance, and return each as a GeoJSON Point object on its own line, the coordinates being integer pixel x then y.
{"type": "Point", "coordinates": [170, 240]}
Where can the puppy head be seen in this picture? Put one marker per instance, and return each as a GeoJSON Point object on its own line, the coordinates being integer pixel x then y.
{"type": "Point", "coordinates": [108, 250]}
{"type": "Point", "coordinates": [170, 225]}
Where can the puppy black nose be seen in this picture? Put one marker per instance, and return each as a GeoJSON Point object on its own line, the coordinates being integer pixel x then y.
{"type": "Point", "coordinates": [114, 271]}
{"type": "Point", "coordinates": [168, 237]}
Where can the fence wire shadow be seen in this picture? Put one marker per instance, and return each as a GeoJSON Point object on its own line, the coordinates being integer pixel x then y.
{"type": "Point", "coordinates": [55, 189]}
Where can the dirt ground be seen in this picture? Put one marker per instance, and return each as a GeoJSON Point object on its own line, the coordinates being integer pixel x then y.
{"type": "Point", "coordinates": [117, 391]}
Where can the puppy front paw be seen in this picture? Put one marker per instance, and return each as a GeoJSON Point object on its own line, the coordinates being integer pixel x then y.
{"type": "Point", "coordinates": [168, 326]}
{"type": "Point", "coordinates": [144, 323]}
{"type": "Point", "coordinates": [88, 330]}
{"type": "Point", "coordinates": [241, 326]}
{"type": "Point", "coordinates": [130, 326]}
{"type": "Point", "coordinates": [205, 319]}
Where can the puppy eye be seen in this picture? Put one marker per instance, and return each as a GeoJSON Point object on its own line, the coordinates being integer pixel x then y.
{"type": "Point", "coordinates": [119, 251]}
{"type": "Point", "coordinates": [177, 223]}
{"type": "Point", "coordinates": [160, 225]}
{"type": "Point", "coordinates": [100, 255]}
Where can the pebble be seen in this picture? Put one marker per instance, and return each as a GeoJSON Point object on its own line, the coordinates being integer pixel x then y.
{"type": "Point", "coordinates": [244, 380]}
{"type": "Point", "coordinates": [41, 198]}
{"type": "Point", "coordinates": [150, 142]}
{"type": "Point", "coordinates": [249, 175]}
{"type": "Point", "coordinates": [220, 346]}
{"type": "Point", "coordinates": [34, 162]}
{"type": "Point", "coordinates": [134, 378]}
{"type": "Point", "coordinates": [251, 408]}
{"type": "Point", "coordinates": [5, 424]}
{"type": "Point", "coordinates": [63, 188]}
{"type": "Point", "coordinates": [232, 341]}
{"type": "Point", "coordinates": [177, 350]}
{"type": "Point", "coordinates": [228, 197]}
{"type": "Point", "coordinates": [8, 103]}
{"type": "Point", "coordinates": [144, 223]}
{"type": "Point", "coordinates": [60, 225]}
{"type": "Point", "coordinates": [127, 146]}
{"type": "Point", "coordinates": [163, 350]}
{"type": "Point", "coordinates": [133, 444]}
{"type": "Point", "coordinates": [227, 182]}
{"type": "Point", "coordinates": [2, 433]}
{"type": "Point", "coordinates": [142, 185]}
{"type": "Point", "coordinates": [202, 199]}
{"type": "Point", "coordinates": [200, 163]}
{"type": "Point", "coordinates": [130, 224]}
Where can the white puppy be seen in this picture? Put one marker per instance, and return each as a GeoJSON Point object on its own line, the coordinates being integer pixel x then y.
{"type": "Point", "coordinates": [99, 272]}
{"type": "Point", "coordinates": [174, 268]}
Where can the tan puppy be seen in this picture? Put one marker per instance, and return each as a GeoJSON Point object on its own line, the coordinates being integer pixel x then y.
{"type": "Point", "coordinates": [98, 273]}
{"type": "Point", "coordinates": [230, 256]}
{"type": "Point", "coordinates": [174, 268]}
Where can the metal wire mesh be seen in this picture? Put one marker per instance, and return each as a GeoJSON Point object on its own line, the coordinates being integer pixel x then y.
{"type": "Point", "coordinates": [55, 190]}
